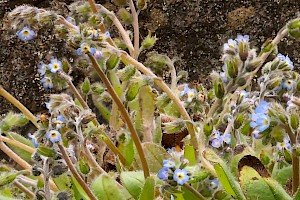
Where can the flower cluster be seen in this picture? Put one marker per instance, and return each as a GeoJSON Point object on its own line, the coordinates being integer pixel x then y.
{"type": "Point", "coordinates": [169, 171]}
{"type": "Point", "coordinates": [218, 140]}
{"type": "Point", "coordinates": [46, 71]}
{"type": "Point", "coordinates": [259, 119]}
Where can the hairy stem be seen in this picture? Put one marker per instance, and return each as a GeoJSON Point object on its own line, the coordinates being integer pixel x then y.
{"type": "Point", "coordinates": [84, 186]}
{"type": "Point", "coordinates": [19, 105]}
{"type": "Point", "coordinates": [17, 144]}
{"type": "Point", "coordinates": [195, 192]}
{"type": "Point", "coordinates": [24, 189]}
{"type": "Point", "coordinates": [108, 141]}
{"type": "Point", "coordinates": [124, 113]}
{"type": "Point", "coordinates": [46, 179]}
{"type": "Point", "coordinates": [136, 31]}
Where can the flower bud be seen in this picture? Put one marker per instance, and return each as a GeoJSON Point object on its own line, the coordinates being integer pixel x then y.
{"type": "Point", "coordinates": [132, 91]}
{"type": "Point", "coordinates": [232, 68]}
{"type": "Point", "coordinates": [241, 81]}
{"type": "Point", "coordinates": [141, 4]}
{"type": "Point", "coordinates": [35, 171]}
{"type": "Point", "coordinates": [125, 16]}
{"type": "Point", "coordinates": [83, 166]}
{"type": "Point", "coordinates": [112, 62]}
{"type": "Point", "coordinates": [294, 121]}
{"type": "Point", "coordinates": [59, 169]}
{"type": "Point", "coordinates": [287, 156]}
{"type": "Point", "coordinates": [126, 73]}
{"type": "Point", "coordinates": [219, 89]}
{"type": "Point", "coordinates": [238, 122]}
{"type": "Point", "coordinates": [64, 196]}
{"type": "Point", "coordinates": [264, 158]}
{"type": "Point", "coordinates": [148, 42]}
{"type": "Point", "coordinates": [97, 88]}
{"type": "Point", "coordinates": [208, 128]}
{"type": "Point", "coordinates": [86, 86]}
{"type": "Point", "coordinates": [174, 126]}
{"type": "Point", "coordinates": [253, 64]}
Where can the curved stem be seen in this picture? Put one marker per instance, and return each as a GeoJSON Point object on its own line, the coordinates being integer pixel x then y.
{"type": "Point", "coordinates": [17, 144]}
{"type": "Point", "coordinates": [195, 192]}
{"type": "Point", "coordinates": [84, 186]}
{"type": "Point", "coordinates": [136, 32]}
{"type": "Point", "coordinates": [108, 141]}
{"type": "Point", "coordinates": [24, 189]}
{"type": "Point", "coordinates": [19, 105]}
{"type": "Point", "coordinates": [124, 113]}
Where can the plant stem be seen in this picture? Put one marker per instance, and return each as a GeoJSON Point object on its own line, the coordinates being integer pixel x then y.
{"type": "Point", "coordinates": [25, 190]}
{"type": "Point", "coordinates": [195, 192]}
{"type": "Point", "coordinates": [17, 144]}
{"type": "Point", "coordinates": [136, 32]}
{"type": "Point", "coordinates": [295, 159]}
{"type": "Point", "coordinates": [84, 186]}
{"type": "Point", "coordinates": [46, 179]}
{"type": "Point", "coordinates": [19, 105]}
{"type": "Point", "coordinates": [124, 113]}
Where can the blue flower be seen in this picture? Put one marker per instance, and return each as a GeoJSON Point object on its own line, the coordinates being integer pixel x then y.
{"type": "Point", "coordinates": [53, 136]}
{"type": "Point", "coordinates": [262, 107]}
{"type": "Point", "coordinates": [216, 143]}
{"type": "Point", "coordinates": [47, 82]}
{"type": "Point", "coordinates": [284, 145]}
{"type": "Point", "coordinates": [288, 84]}
{"type": "Point", "coordinates": [286, 59]}
{"type": "Point", "coordinates": [260, 121]}
{"type": "Point", "coordinates": [71, 20]}
{"type": "Point", "coordinates": [33, 140]}
{"type": "Point", "coordinates": [180, 176]}
{"type": "Point", "coordinates": [42, 68]}
{"type": "Point", "coordinates": [226, 138]}
{"type": "Point", "coordinates": [190, 93]}
{"type": "Point", "coordinates": [55, 65]}
{"type": "Point", "coordinates": [85, 48]}
{"type": "Point", "coordinates": [242, 38]}
{"type": "Point", "coordinates": [98, 55]}
{"type": "Point", "coordinates": [231, 44]}
{"type": "Point", "coordinates": [172, 197]}
{"type": "Point", "coordinates": [107, 35]}
{"type": "Point", "coordinates": [244, 94]}
{"type": "Point", "coordinates": [93, 33]}
{"type": "Point", "coordinates": [59, 120]}
{"type": "Point", "coordinates": [256, 134]}
{"type": "Point", "coordinates": [71, 151]}
{"type": "Point", "coordinates": [163, 174]}
{"type": "Point", "coordinates": [213, 184]}
{"type": "Point", "coordinates": [169, 163]}
{"type": "Point", "coordinates": [25, 34]}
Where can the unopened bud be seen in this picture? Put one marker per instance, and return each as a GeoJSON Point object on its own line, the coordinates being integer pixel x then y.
{"type": "Point", "coordinates": [294, 121]}
{"type": "Point", "coordinates": [148, 42]}
{"type": "Point", "coordinates": [219, 89]}
{"type": "Point", "coordinates": [125, 15]}
{"type": "Point", "coordinates": [208, 128]}
{"type": "Point", "coordinates": [59, 169]}
{"type": "Point", "coordinates": [264, 158]}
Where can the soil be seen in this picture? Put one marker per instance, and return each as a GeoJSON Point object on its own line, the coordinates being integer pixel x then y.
{"type": "Point", "coordinates": [192, 30]}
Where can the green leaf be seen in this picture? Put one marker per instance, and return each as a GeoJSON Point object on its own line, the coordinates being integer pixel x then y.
{"type": "Point", "coordinates": [226, 183]}
{"type": "Point", "coordinates": [147, 108]}
{"type": "Point", "coordinates": [79, 193]}
{"type": "Point", "coordinates": [7, 198]}
{"type": "Point", "coordinates": [189, 153]}
{"type": "Point", "coordinates": [282, 175]}
{"type": "Point", "coordinates": [297, 195]}
{"type": "Point", "coordinates": [254, 185]}
{"type": "Point", "coordinates": [46, 151]}
{"type": "Point", "coordinates": [133, 182]}
{"type": "Point", "coordinates": [63, 182]}
{"type": "Point", "coordinates": [106, 188]}
{"type": "Point", "coordinates": [236, 159]}
{"type": "Point", "coordinates": [157, 135]}
{"type": "Point", "coordinates": [23, 154]}
{"type": "Point", "coordinates": [278, 192]}
{"type": "Point", "coordinates": [127, 149]}
{"type": "Point", "coordinates": [155, 154]}
{"type": "Point", "coordinates": [148, 190]}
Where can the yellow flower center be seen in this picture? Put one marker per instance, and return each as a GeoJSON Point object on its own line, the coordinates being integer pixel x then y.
{"type": "Point", "coordinates": [86, 49]}
{"type": "Point", "coordinates": [53, 134]}
{"type": "Point", "coordinates": [180, 176]}
{"type": "Point", "coordinates": [55, 66]}
{"type": "Point", "coordinates": [25, 32]}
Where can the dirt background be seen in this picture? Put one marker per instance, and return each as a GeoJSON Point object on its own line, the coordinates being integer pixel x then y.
{"type": "Point", "coordinates": [193, 30]}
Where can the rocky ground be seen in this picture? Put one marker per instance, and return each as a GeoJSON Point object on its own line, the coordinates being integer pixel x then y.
{"type": "Point", "coordinates": [192, 30]}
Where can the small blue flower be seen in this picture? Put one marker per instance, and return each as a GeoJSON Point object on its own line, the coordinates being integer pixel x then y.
{"type": "Point", "coordinates": [53, 136]}
{"type": "Point", "coordinates": [262, 107]}
{"type": "Point", "coordinates": [26, 34]}
{"type": "Point", "coordinates": [284, 145]}
{"type": "Point", "coordinates": [42, 68]}
{"type": "Point", "coordinates": [180, 176]}
{"type": "Point", "coordinates": [85, 48]}
{"type": "Point", "coordinates": [71, 20]}
{"type": "Point", "coordinates": [242, 38]}
{"type": "Point", "coordinates": [107, 35]}
{"type": "Point", "coordinates": [189, 92]}
{"type": "Point", "coordinates": [226, 138]}
{"type": "Point", "coordinates": [244, 94]}
{"type": "Point", "coordinates": [256, 134]}
{"type": "Point", "coordinates": [288, 84]}
{"type": "Point", "coordinates": [286, 59]}
{"type": "Point", "coordinates": [260, 120]}
{"type": "Point", "coordinates": [213, 184]}
{"type": "Point", "coordinates": [47, 82]}
{"type": "Point", "coordinates": [163, 174]}
{"type": "Point", "coordinates": [98, 55]}
{"type": "Point", "coordinates": [72, 152]}
{"type": "Point", "coordinates": [33, 140]}
{"type": "Point", "coordinates": [55, 65]}
{"type": "Point", "coordinates": [59, 121]}
{"type": "Point", "coordinates": [216, 143]}
{"type": "Point", "coordinates": [94, 33]}
{"type": "Point", "coordinates": [169, 163]}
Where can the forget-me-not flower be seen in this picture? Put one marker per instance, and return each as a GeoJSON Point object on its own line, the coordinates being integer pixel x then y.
{"type": "Point", "coordinates": [85, 48]}
{"type": "Point", "coordinates": [284, 145]}
{"type": "Point", "coordinates": [59, 121]}
{"type": "Point", "coordinates": [260, 119]}
{"type": "Point", "coordinates": [286, 59]}
{"type": "Point", "coordinates": [180, 176]}
{"type": "Point", "coordinates": [226, 138]}
{"type": "Point", "coordinates": [47, 82]}
{"type": "Point", "coordinates": [231, 44]}
{"type": "Point", "coordinates": [288, 84]}
{"type": "Point", "coordinates": [53, 136]}
{"type": "Point", "coordinates": [33, 140]}
{"type": "Point", "coordinates": [26, 34]}
{"type": "Point", "coordinates": [169, 163]}
{"type": "Point", "coordinates": [71, 20]}
{"type": "Point", "coordinates": [242, 38]}
{"type": "Point", "coordinates": [42, 68]}
{"type": "Point", "coordinates": [55, 65]}
{"type": "Point", "coordinates": [189, 92]}
{"type": "Point", "coordinates": [213, 184]}
{"type": "Point", "coordinates": [163, 174]}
